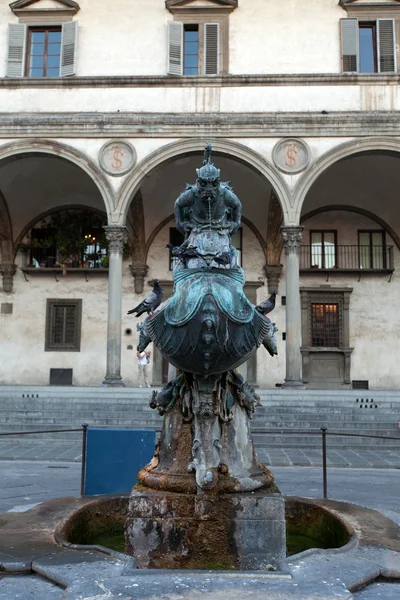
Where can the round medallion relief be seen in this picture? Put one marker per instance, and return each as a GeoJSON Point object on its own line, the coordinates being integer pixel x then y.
{"type": "Point", "coordinates": [291, 156]}
{"type": "Point", "coordinates": [117, 157]}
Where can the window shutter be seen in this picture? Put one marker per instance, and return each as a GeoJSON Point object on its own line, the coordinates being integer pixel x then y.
{"type": "Point", "coordinates": [68, 48]}
{"type": "Point", "coordinates": [175, 48]}
{"type": "Point", "coordinates": [350, 45]}
{"type": "Point", "coordinates": [211, 48]}
{"type": "Point", "coordinates": [16, 50]}
{"type": "Point", "coordinates": [386, 46]}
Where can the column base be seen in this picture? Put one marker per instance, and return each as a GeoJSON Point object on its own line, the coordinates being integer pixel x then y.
{"type": "Point", "coordinates": [298, 385]}
{"type": "Point", "coordinates": [113, 382]}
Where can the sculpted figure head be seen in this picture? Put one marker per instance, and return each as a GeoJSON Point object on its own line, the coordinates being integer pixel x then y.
{"type": "Point", "coordinates": [208, 176]}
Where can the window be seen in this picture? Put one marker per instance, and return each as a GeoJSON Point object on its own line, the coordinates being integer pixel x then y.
{"type": "Point", "coordinates": [325, 325]}
{"type": "Point", "coordinates": [193, 48]}
{"type": "Point", "coordinates": [323, 249]}
{"type": "Point", "coordinates": [368, 46]}
{"type": "Point", "coordinates": [43, 247]}
{"type": "Point", "coordinates": [42, 51]}
{"type": "Point", "coordinates": [372, 251]}
{"type": "Point", "coordinates": [198, 37]}
{"type": "Point", "coordinates": [63, 325]}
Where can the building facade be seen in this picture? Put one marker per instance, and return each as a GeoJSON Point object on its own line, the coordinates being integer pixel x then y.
{"type": "Point", "coordinates": [105, 111]}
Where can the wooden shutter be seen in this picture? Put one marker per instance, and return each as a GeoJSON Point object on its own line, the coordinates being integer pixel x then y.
{"type": "Point", "coordinates": [68, 48]}
{"type": "Point", "coordinates": [211, 48]}
{"type": "Point", "coordinates": [350, 45]}
{"type": "Point", "coordinates": [16, 50]}
{"type": "Point", "coordinates": [386, 44]}
{"type": "Point", "coordinates": [175, 48]}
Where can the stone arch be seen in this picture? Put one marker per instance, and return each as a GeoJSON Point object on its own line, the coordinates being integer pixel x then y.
{"type": "Point", "coordinates": [370, 144]}
{"type": "Point", "coordinates": [360, 211]}
{"type": "Point", "coordinates": [167, 220]}
{"type": "Point", "coordinates": [42, 146]}
{"type": "Point", "coordinates": [6, 234]}
{"type": "Point", "coordinates": [225, 147]}
{"type": "Point", "coordinates": [52, 211]}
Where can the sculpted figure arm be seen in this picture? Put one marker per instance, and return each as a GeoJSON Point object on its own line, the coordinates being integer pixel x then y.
{"type": "Point", "coordinates": [233, 202]}
{"type": "Point", "coordinates": [185, 200]}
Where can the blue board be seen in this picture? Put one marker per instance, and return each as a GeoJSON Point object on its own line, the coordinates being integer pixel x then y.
{"type": "Point", "coordinates": [114, 457]}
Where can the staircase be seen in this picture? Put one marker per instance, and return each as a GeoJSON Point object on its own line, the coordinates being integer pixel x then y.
{"type": "Point", "coordinates": [24, 408]}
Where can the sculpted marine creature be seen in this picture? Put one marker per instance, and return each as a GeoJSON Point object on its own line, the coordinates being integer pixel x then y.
{"type": "Point", "coordinates": [206, 329]}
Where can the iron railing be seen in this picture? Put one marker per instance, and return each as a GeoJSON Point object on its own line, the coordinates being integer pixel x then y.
{"type": "Point", "coordinates": [323, 432]}
{"type": "Point", "coordinates": [346, 258]}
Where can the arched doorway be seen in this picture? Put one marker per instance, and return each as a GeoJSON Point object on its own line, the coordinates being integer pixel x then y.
{"type": "Point", "coordinates": [348, 260]}
{"type": "Point", "coordinates": [51, 318]}
{"type": "Point", "coordinates": [150, 217]}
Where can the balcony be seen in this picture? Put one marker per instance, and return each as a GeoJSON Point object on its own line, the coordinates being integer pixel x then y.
{"type": "Point", "coordinates": [330, 259]}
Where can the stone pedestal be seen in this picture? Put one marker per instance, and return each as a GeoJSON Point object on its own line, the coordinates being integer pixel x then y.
{"type": "Point", "coordinates": [168, 530]}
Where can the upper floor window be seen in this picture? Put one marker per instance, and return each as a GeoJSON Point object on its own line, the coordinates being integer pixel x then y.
{"type": "Point", "coordinates": [42, 51]}
{"type": "Point", "coordinates": [372, 250]}
{"type": "Point", "coordinates": [368, 46]}
{"type": "Point", "coordinates": [198, 37]}
{"type": "Point", "coordinates": [194, 48]}
{"type": "Point", "coordinates": [323, 249]}
{"type": "Point", "coordinates": [191, 50]}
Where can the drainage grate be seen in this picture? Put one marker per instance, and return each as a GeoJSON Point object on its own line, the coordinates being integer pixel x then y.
{"type": "Point", "coordinates": [359, 384]}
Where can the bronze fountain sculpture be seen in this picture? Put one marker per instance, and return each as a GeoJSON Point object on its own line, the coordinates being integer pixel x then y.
{"type": "Point", "coordinates": [205, 461]}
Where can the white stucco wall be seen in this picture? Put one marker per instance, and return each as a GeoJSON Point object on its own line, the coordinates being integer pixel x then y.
{"type": "Point", "coordinates": [265, 37]}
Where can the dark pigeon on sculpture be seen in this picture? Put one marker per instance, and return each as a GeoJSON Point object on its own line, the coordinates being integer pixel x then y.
{"type": "Point", "coordinates": [268, 305]}
{"type": "Point", "coordinates": [223, 259]}
{"type": "Point", "coordinates": [150, 303]}
{"type": "Point", "coordinates": [183, 251]}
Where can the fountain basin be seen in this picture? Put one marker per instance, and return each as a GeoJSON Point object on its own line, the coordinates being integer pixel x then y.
{"type": "Point", "coordinates": [308, 525]}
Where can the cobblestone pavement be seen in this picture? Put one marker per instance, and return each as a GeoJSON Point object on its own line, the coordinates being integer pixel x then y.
{"type": "Point", "coordinates": [276, 457]}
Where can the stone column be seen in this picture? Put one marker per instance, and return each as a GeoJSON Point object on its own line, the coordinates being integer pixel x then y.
{"type": "Point", "coordinates": [292, 237]}
{"type": "Point", "coordinates": [8, 271]}
{"type": "Point", "coordinates": [116, 237]}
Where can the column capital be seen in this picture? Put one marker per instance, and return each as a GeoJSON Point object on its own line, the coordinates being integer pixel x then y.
{"type": "Point", "coordinates": [8, 271]}
{"type": "Point", "coordinates": [116, 237]}
{"type": "Point", "coordinates": [292, 237]}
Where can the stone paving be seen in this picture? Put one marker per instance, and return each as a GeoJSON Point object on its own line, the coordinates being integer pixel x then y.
{"type": "Point", "coordinates": [25, 483]}
{"type": "Point", "coordinates": [25, 449]}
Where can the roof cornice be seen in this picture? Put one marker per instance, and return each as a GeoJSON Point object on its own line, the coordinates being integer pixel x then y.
{"type": "Point", "coordinates": [21, 5]}
{"type": "Point", "coordinates": [182, 4]}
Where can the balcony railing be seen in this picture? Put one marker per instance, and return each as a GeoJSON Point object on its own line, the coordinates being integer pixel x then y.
{"type": "Point", "coordinates": [346, 258]}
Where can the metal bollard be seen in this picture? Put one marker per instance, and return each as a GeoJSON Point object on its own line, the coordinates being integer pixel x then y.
{"type": "Point", "coordinates": [325, 479]}
{"type": "Point", "coordinates": [84, 445]}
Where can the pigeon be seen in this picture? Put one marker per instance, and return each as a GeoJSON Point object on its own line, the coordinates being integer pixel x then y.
{"type": "Point", "coordinates": [268, 305]}
{"type": "Point", "coordinates": [223, 259]}
{"type": "Point", "coordinates": [185, 252]}
{"type": "Point", "coordinates": [150, 303]}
